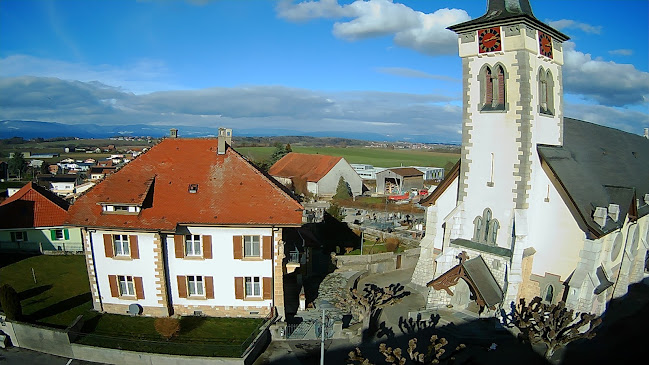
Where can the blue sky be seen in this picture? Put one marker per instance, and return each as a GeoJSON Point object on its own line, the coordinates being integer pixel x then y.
{"type": "Point", "coordinates": [296, 67]}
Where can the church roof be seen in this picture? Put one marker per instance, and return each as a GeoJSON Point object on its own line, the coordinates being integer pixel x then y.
{"type": "Point", "coordinates": [500, 12]}
{"type": "Point", "coordinates": [598, 166]}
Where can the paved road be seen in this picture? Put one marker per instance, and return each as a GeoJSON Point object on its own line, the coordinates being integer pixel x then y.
{"type": "Point", "coordinates": [18, 356]}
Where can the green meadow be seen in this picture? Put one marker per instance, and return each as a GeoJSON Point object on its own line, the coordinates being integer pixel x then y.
{"type": "Point", "coordinates": [379, 157]}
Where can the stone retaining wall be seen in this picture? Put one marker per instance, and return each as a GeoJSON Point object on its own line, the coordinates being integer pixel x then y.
{"type": "Point", "coordinates": [378, 263]}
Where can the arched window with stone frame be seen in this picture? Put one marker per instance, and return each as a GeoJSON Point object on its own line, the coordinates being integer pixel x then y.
{"type": "Point", "coordinates": [549, 294]}
{"type": "Point", "coordinates": [486, 88]}
{"type": "Point", "coordinates": [493, 82]}
{"type": "Point", "coordinates": [477, 228]}
{"type": "Point", "coordinates": [493, 231]}
{"type": "Point", "coordinates": [546, 92]}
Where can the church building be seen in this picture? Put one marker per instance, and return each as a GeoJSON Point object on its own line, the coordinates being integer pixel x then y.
{"type": "Point", "coordinates": [538, 204]}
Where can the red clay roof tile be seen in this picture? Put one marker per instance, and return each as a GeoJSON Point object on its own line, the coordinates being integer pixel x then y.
{"type": "Point", "coordinates": [304, 166]}
{"type": "Point", "coordinates": [230, 191]}
{"type": "Point", "coordinates": [33, 206]}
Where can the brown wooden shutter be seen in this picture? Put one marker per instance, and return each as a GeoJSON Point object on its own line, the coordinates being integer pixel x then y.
{"type": "Point", "coordinates": [108, 245]}
{"type": "Point", "coordinates": [267, 250]}
{"type": "Point", "coordinates": [182, 286]}
{"type": "Point", "coordinates": [179, 245]}
{"type": "Point", "coordinates": [139, 288]}
{"type": "Point", "coordinates": [268, 288]}
{"type": "Point", "coordinates": [238, 288]}
{"type": "Point", "coordinates": [209, 287]}
{"type": "Point", "coordinates": [207, 247]}
{"type": "Point", "coordinates": [112, 281]}
{"type": "Point", "coordinates": [132, 242]}
{"type": "Point", "coordinates": [237, 247]}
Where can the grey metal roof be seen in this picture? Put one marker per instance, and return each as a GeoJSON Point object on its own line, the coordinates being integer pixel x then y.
{"type": "Point", "coordinates": [501, 12]}
{"type": "Point", "coordinates": [481, 276]}
{"type": "Point", "coordinates": [598, 166]}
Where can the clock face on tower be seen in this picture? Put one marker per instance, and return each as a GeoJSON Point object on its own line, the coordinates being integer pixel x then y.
{"type": "Point", "coordinates": [489, 40]}
{"type": "Point", "coordinates": [545, 44]}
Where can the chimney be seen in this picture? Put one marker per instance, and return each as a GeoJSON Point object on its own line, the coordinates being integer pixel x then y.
{"type": "Point", "coordinates": [173, 133]}
{"type": "Point", "coordinates": [646, 133]}
{"type": "Point", "coordinates": [225, 139]}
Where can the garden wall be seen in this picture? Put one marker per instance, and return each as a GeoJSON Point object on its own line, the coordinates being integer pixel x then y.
{"type": "Point", "coordinates": [57, 342]}
{"type": "Point", "coordinates": [378, 263]}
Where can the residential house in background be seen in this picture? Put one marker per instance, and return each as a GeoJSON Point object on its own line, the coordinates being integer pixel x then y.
{"type": "Point", "coordinates": [32, 220]}
{"type": "Point", "coordinates": [316, 174]}
{"type": "Point", "coordinates": [189, 228]}
{"type": "Point", "coordinates": [539, 204]}
{"type": "Point", "coordinates": [61, 185]}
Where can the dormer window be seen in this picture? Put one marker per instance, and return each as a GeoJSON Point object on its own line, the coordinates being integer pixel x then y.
{"type": "Point", "coordinates": [120, 209]}
{"type": "Point", "coordinates": [193, 188]}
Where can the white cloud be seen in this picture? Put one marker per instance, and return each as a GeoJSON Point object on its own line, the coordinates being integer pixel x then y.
{"type": "Point", "coordinates": [608, 83]}
{"type": "Point", "coordinates": [408, 72]}
{"type": "Point", "coordinates": [141, 77]}
{"type": "Point", "coordinates": [423, 32]}
{"type": "Point", "coordinates": [246, 108]}
{"type": "Point", "coordinates": [621, 52]}
{"type": "Point", "coordinates": [567, 23]}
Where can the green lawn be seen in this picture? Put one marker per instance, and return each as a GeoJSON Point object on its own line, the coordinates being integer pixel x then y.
{"type": "Point", "coordinates": [199, 336]}
{"type": "Point", "coordinates": [61, 292]}
{"type": "Point", "coordinates": [373, 156]}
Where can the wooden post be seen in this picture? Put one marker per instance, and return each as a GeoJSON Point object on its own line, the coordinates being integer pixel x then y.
{"type": "Point", "coordinates": [34, 275]}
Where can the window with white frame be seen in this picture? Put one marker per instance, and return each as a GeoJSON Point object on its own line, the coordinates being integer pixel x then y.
{"type": "Point", "coordinates": [253, 286]}
{"type": "Point", "coordinates": [195, 286]}
{"type": "Point", "coordinates": [192, 245]}
{"type": "Point", "coordinates": [120, 243]}
{"type": "Point", "coordinates": [251, 247]}
{"type": "Point", "coordinates": [126, 286]}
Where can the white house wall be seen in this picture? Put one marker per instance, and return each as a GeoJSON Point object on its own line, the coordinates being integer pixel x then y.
{"type": "Point", "coordinates": [222, 266]}
{"type": "Point", "coordinates": [328, 184]}
{"type": "Point", "coordinates": [143, 267]}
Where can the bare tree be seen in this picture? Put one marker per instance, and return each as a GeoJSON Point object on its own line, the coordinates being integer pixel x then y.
{"type": "Point", "coordinates": [366, 307]}
{"type": "Point", "coordinates": [551, 324]}
{"type": "Point", "coordinates": [434, 353]}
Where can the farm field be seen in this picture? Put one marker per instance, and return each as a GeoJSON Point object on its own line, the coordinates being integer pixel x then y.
{"type": "Point", "coordinates": [371, 156]}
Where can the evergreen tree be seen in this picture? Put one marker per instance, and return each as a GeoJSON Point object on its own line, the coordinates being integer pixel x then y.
{"type": "Point", "coordinates": [10, 302]}
{"type": "Point", "coordinates": [16, 164]}
{"type": "Point", "coordinates": [343, 191]}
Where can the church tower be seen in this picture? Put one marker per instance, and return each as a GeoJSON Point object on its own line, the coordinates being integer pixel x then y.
{"type": "Point", "coordinates": [512, 102]}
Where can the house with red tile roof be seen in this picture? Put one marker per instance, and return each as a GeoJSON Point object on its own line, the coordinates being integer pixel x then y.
{"type": "Point", "coordinates": [33, 219]}
{"type": "Point", "coordinates": [189, 227]}
{"type": "Point", "coordinates": [317, 174]}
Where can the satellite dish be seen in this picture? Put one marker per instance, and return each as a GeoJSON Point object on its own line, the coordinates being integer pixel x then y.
{"type": "Point", "coordinates": [134, 309]}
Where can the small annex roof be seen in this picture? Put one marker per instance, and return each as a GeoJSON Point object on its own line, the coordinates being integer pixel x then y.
{"type": "Point", "coordinates": [304, 166]}
{"type": "Point", "coordinates": [404, 171]}
{"type": "Point", "coordinates": [185, 181]}
{"type": "Point", "coordinates": [598, 166]}
{"type": "Point", "coordinates": [33, 206]}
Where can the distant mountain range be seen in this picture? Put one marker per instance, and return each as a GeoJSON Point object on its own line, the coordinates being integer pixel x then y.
{"type": "Point", "coordinates": [29, 129]}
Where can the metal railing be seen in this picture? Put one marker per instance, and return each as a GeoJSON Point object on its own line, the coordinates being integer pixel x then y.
{"type": "Point", "coordinates": [294, 257]}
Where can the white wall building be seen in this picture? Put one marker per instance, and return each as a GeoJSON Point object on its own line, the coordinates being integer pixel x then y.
{"type": "Point", "coordinates": [542, 205]}
{"type": "Point", "coordinates": [188, 228]}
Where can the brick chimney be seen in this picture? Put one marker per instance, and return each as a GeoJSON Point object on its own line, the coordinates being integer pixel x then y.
{"type": "Point", "coordinates": [225, 139]}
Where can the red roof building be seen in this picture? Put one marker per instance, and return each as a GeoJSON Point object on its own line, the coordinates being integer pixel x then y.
{"type": "Point", "coordinates": [320, 173]}
{"type": "Point", "coordinates": [190, 227]}
{"type": "Point", "coordinates": [33, 206]}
